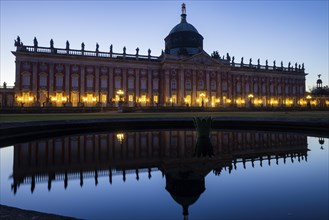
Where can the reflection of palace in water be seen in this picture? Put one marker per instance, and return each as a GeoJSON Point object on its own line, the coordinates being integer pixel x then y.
{"type": "Point", "coordinates": [171, 152]}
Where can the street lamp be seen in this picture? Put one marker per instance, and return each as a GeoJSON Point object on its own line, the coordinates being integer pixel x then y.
{"type": "Point", "coordinates": [250, 96]}
{"type": "Point", "coordinates": [120, 93]}
{"type": "Point", "coordinates": [202, 98]}
{"type": "Point", "coordinates": [308, 97]}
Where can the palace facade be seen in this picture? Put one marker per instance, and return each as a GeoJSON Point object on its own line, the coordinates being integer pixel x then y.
{"type": "Point", "coordinates": [183, 75]}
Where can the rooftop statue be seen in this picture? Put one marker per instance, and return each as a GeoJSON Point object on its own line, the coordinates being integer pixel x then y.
{"type": "Point", "coordinates": [124, 50]}
{"type": "Point", "coordinates": [18, 42]}
{"type": "Point", "coordinates": [241, 60]}
{"type": "Point", "coordinates": [137, 50]}
{"type": "Point", "coordinates": [67, 45]}
{"type": "Point", "coordinates": [51, 43]}
{"type": "Point", "coordinates": [111, 48]}
{"type": "Point", "coordinates": [233, 59]}
{"type": "Point", "coordinates": [228, 57]}
{"type": "Point", "coordinates": [149, 52]}
{"type": "Point", "coordinates": [274, 63]}
{"type": "Point", "coordinates": [97, 47]}
{"type": "Point", "coordinates": [281, 64]}
{"type": "Point", "coordinates": [82, 46]}
{"type": "Point", "coordinates": [35, 42]}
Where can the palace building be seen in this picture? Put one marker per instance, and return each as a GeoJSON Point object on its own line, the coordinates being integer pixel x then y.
{"type": "Point", "coordinates": [183, 75]}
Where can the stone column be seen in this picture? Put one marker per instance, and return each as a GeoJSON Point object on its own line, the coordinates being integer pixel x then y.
{"type": "Point", "coordinates": [98, 98]}
{"type": "Point", "coordinates": [167, 83]}
{"type": "Point", "coordinates": [193, 96]}
{"type": "Point", "coordinates": [137, 71]}
{"type": "Point", "coordinates": [34, 78]}
{"type": "Point", "coordinates": [51, 79]}
{"type": "Point", "coordinates": [181, 86]}
{"type": "Point", "coordinates": [110, 88]}
{"type": "Point", "coordinates": [82, 81]}
{"type": "Point", "coordinates": [18, 86]}
{"type": "Point", "coordinates": [208, 93]}
{"type": "Point", "coordinates": [149, 84]}
{"type": "Point", "coordinates": [124, 83]}
{"type": "Point", "coordinates": [67, 81]}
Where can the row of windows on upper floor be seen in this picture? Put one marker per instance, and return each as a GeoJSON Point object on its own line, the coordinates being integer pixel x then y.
{"type": "Point", "coordinates": [173, 85]}
{"type": "Point", "coordinates": [118, 82]}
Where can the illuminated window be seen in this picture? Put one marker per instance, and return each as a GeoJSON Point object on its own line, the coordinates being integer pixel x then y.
{"type": "Point", "coordinates": [155, 98]}
{"type": "Point", "coordinates": [130, 98]}
{"type": "Point", "coordinates": [103, 98]}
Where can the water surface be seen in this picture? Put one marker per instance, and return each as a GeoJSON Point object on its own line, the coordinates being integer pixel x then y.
{"type": "Point", "coordinates": [155, 175]}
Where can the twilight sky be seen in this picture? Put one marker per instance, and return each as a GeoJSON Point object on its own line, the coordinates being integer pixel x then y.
{"type": "Point", "coordinates": [288, 31]}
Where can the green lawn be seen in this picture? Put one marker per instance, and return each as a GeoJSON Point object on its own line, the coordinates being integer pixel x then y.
{"type": "Point", "coordinates": [71, 116]}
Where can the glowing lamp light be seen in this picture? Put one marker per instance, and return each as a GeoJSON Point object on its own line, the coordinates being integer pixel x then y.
{"type": "Point", "coordinates": [120, 137]}
{"type": "Point", "coordinates": [120, 92]}
{"type": "Point", "coordinates": [308, 97]}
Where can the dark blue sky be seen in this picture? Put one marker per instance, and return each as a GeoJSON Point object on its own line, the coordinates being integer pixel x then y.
{"type": "Point", "coordinates": [288, 31]}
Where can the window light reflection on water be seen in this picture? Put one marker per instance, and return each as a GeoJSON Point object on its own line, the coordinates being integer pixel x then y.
{"type": "Point", "coordinates": [154, 175]}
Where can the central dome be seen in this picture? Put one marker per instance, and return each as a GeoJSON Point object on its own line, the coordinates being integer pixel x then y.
{"type": "Point", "coordinates": [183, 39]}
{"type": "Point", "coordinates": [183, 26]}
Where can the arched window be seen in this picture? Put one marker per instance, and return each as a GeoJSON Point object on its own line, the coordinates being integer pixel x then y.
{"type": "Point", "coordinates": [224, 86]}
{"type": "Point", "coordinates": [104, 83]}
{"type": "Point", "coordinates": [90, 82]}
{"type": "Point", "coordinates": [272, 89]}
{"type": "Point", "coordinates": [155, 84]}
{"type": "Point", "coordinates": [143, 83]}
{"type": "Point", "coordinates": [188, 84]}
{"type": "Point", "coordinates": [247, 87]}
{"type": "Point", "coordinates": [131, 83]}
{"type": "Point", "coordinates": [213, 85]}
{"type": "Point", "coordinates": [238, 87]}
{"type": "Point", "coordinates": [173, 84]}
{"type": "Point", "coordinates": [43, 80]}
{"type": "Point", "coordinates": [255, 88]}
{"type": "Point", "coordinates": [59, 80]}
{"type": "Point", "coordinates": [26, 80]}
{"type": "Point", "coordinates": [200, 84]}
{"type": "Point", "coordinates": [75, 81]}
{"type": "Point", "coordinates": [287, 89]}
{"type": "Point", "coordinates": [117, 83]}
{"type": "Point", "coordinates": [264, 88]}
